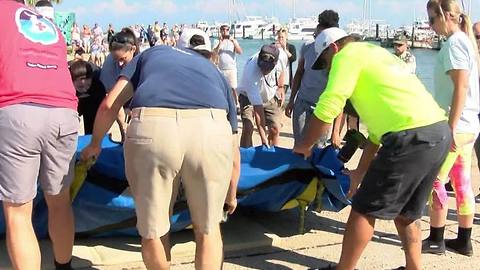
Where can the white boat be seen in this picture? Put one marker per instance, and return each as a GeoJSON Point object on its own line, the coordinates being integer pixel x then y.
{"type": "Point", "coordinates": [214, 30]}
{"type": "Point", "coordinates": [301, 28]}
{"type": "Point", "coordinates": [250, 28]}
{"type": "Point", "coordinates": [356, 28]}
{"type": "Point", "coordinates": [423, 35]}
{"type": "Point", "coordinates": [370, 30]}
{"type": "Point", "coordinates": [203, 25]}
{"type": "Point", "coordinates": [419, 35]}
{"type": "Point", "coordinates": [270, 30]}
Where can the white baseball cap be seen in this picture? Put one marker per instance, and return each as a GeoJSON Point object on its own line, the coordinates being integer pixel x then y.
{"type": "Point", "coordinates": [324, 39]}
{"type": "Point", "coordinates": [185, 40]}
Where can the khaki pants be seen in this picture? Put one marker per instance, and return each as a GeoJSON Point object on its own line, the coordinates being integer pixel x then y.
{"type": "Point", "coordinates": [272, 110]}
{"type": "Point", "coordinates": [166, 146]}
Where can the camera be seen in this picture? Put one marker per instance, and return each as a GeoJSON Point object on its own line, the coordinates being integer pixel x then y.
{"type": "Point", "coordinates": [353, 140]}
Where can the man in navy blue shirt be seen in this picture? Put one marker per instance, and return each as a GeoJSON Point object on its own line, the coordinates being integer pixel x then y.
{"type": "Point", "coordinates": [183, 127]}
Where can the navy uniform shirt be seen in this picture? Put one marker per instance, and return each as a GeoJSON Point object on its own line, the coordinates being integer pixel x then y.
{"type": "Point", "coordinates": [109, 73]}
{"type": "Point", "coordinates": [167, 77]}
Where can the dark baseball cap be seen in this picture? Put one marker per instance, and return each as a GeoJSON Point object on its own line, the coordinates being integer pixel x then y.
{"type": "Point", "coordinates": [268, 57]}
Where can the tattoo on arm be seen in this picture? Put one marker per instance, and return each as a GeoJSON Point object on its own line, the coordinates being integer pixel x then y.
{"type": "Point", "coordinates": [324, 137]}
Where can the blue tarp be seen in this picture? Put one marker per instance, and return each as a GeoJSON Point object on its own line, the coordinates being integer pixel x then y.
{"type": "Point", "coordinates": [270, 177]}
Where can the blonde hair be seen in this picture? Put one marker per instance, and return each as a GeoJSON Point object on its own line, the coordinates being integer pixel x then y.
{"type": "Point", "coordinates": [464, 22]}
{"type": "Point", "coordinates": [283, 30]}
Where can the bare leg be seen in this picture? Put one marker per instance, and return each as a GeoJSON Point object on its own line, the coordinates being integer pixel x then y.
{"type": "Point", "coordinates": [156, 253]}
{"type": "Point", "coordinates": [465, 221]}
{"type": "Point", "coordinates": [410, 234]}
{"type": "Point", "coordinates": [209, 250]}
{"type": "Point", "coordinates": [438, 213]}
{"type": "Point", "coordinates": [438, 217]}
{"type": "Point", "coordinates": [247, 132]}
{"type": "Point", "coordinates": [273, 136]}
{"type": "Point", "coordinates": [358, 233]}
{"type": "Point", "coordinates": [60, 225]}
{"type": "Point", "coordinates": [21, 240]}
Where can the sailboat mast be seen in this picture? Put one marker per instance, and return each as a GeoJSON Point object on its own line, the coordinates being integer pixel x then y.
{"type": "Point", "coordinates": [369, 15]}
{"type": "Point", "coordinates": [294, 9]}
{"type": "Point", "coordinates": [470, 8]}
{"type": "Point", "coordinates": [229, 13]}
{"type": "Point", "coordinates": [364, 15]}
{"type": "Point", "coordinates": [236, 10]}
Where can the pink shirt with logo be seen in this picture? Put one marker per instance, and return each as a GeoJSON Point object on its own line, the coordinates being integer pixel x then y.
{"type": "Point", "coordinates": [33, 66]}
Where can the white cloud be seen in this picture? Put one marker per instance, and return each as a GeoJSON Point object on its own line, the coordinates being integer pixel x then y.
{"type": "Point", "coordinates": [396, 12]}
{"type": "Point", "coordinates": [80, 11]}
{"type": "Point", "coordinates": [211, 7]}
{"type": "Point", "coordinates": [163, 6]}
{"type": "Point", "coordinates": [215, 9]}
{"type": "Point", "coordinates": [116, 7]}
{"type": "Point", "coordinates": [404, 11]}
{"type": "Point", "coordinates": [387, 10]}
{"type": "Point", "coordinates": [314, 7]}
{"type": "Point", "coordinates": [122, 8]}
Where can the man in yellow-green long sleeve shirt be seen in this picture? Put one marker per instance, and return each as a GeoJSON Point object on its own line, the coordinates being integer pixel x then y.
{"type": "Point", "coordinates": [402, 117]}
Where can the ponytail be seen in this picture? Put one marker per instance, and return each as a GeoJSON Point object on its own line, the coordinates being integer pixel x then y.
{"type": "Point", "coordinates": [467, 27]}
{"type": "Point", "coordinates": [464, 22]}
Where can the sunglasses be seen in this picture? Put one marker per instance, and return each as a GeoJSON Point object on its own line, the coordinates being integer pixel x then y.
{"type": "Point", "coordinates": [121, 39]}
{"type": "Point", "coordinates": [477, 36]}
{"type": "Point", "coordinates": [267, 58]}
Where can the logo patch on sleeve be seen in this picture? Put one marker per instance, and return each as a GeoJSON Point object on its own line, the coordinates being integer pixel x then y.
{"type": "Point", "coordinates": [35, 27]}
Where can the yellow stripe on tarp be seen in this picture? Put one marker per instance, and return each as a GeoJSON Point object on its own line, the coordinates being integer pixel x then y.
{"type": "Point", "coordinates": [81, 171]}
{"type": "Point", "coordinates": [308, 195]}
{"type": "Point", "coordinates": [318, 198]}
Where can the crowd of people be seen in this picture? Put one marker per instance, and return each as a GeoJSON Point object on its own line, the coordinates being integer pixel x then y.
{"type": "Point", "coordinates": [92, 44]}
{"type": "Point", "coordinates": [160, 96]}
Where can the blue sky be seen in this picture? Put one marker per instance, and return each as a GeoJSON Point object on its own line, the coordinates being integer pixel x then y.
{"type": "Point", "coordinates": [126, 12]}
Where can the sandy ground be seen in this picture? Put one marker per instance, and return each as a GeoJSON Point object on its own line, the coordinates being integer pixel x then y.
{"type": "Point", "coordinates": [256, 240]}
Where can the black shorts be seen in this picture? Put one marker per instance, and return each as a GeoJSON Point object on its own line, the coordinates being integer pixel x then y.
{"type": "Point", "coordinates": [400, 178]}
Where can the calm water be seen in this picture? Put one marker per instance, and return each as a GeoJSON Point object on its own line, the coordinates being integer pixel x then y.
{"type": "Point", "coordinates": [425, 59]}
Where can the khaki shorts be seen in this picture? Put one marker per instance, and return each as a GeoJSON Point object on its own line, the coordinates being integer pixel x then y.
{"type": "Point", "coordinates": [231, 76]}
{"type": "Point", "coordinates": [273, 111]}
{"type": "Point", "coordinates": [36, 142]}
{"type": "Point", "coordinates": [166, 146]}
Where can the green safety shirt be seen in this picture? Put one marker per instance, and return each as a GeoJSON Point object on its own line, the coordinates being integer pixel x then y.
{"type": "Point", "coordinates": [381, 88]}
